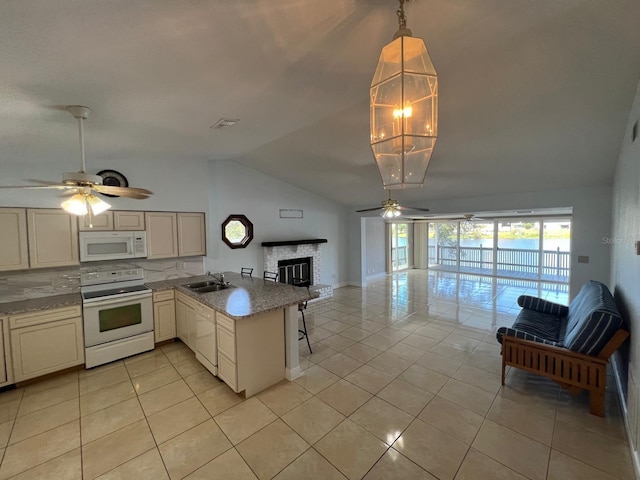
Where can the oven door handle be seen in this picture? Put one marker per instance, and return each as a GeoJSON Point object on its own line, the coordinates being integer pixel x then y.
{"type": "Point", "coordinates": [125, 297]}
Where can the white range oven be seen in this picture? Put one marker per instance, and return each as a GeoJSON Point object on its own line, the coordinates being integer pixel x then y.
{"type": "Point", "coordinates": [117, 313]}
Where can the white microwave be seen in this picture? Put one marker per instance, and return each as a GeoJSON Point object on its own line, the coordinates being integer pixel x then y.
{"type": "Point", "coordinates": [95, 246]}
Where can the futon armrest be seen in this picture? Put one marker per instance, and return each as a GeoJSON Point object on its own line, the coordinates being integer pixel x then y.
{"type": "Point", "coordinates": [554, 349]}
{"type": "Point", "coordinates": [522, 334]}
{"type": "Point", "coordinates": [543, 306]}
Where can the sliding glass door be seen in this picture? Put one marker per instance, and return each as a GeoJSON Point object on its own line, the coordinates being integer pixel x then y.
{"type": "Point", "coordinates": [528, 249]}
{"type": "Point", "coordinates": [399, 246]}
{"type": "Point", "coordinates": [476, 246]}
{"type": "Point", "coordinates": [518, 249]}
{"type": "Point", "coordinates": [443, 245]}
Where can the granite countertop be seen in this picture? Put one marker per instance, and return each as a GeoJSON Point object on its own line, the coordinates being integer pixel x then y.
{"type": "Point", "coordinates": [245, 297]}
{"type": "Point", "coordinates": [42, 303]}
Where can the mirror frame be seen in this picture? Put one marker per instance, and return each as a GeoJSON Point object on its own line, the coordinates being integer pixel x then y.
{"type": "Point", "coordinates": [248, 231]}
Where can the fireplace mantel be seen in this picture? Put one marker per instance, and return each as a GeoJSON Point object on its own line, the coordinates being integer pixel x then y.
{"type": "Point", "coordinates": [280, 243]}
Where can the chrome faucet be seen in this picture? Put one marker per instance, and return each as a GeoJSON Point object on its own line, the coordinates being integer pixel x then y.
{"type": "Point", "coordinates": [216, 276]}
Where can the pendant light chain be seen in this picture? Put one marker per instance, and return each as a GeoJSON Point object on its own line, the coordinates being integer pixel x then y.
{"type": "Point", "coordinates": [402, 19]}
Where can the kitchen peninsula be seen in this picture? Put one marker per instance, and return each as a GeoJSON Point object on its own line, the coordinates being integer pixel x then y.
{"type": "Point", "coordinates": [246, 334]}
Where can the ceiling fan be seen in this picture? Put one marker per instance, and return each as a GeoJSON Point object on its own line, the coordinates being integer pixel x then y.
{"type": "Point", "coordinates": [392, 208]}
{"type": "Point", "coordinates": [81, 184]}
{"type": "Point", "coordinates": [467, 218]}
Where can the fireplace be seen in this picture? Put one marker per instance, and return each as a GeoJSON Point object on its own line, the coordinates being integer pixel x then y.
{"type": "Point", "coordinates": [290, 255]}
{"type": "Point", "coordinates": [296, 268]}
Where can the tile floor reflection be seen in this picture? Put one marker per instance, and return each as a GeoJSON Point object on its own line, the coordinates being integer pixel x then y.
{"type": "Point", "coordinates": [404, 383]}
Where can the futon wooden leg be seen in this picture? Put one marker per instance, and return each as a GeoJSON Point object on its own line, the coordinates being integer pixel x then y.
{"type": "Point", "coordinates": [573, 390]}
{"type": "Point", "coordinates": [503, 366]}
{"type": "Point", "coordinates": [596, 403]}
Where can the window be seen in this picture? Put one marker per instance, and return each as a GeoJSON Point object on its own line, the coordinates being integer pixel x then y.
{"type": "Point", "coordinates": [237, 231]}
{"type": "Point", "coordinates": [524, 248]}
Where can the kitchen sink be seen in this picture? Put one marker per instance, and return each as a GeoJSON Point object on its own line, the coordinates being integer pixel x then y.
{"type": "Point", "coordinates": [206, 287]}
{"type": "Point", "coordinates": [193, 286]}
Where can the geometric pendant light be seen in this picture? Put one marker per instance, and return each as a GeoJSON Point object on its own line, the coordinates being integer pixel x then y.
{"type": "Point", "coordinates": [404, 109]}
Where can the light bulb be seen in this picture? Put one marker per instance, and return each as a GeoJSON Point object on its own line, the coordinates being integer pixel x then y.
{"type": "Point", "coordinates": [76, 205]}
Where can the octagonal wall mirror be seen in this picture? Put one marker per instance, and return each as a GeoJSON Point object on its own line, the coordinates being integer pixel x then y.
{"type": "Point", "coordinates": [237, 231]}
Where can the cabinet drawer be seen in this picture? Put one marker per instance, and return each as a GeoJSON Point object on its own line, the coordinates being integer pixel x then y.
{"type": "Point", "coordinates": [227, 342]}
{"type": "Point", "coordinates": [36, 318]}
{"type": "Point", "coordinates": [163, 295]}
{"type": "Point", "coordinates": [226, 322]}
{"type": "Point", "coordinates": [227, 371]}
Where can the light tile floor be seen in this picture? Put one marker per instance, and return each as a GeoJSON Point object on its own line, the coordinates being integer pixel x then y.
{"type": "Point", "coordinates": [403, 383]}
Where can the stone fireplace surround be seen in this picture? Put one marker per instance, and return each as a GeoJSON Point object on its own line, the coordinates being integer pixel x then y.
{"type": "Point", "coordinates": [290, 249]}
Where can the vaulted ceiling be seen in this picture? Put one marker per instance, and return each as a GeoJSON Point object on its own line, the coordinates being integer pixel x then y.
{"type": "Point", "coordinates": [534, 94]}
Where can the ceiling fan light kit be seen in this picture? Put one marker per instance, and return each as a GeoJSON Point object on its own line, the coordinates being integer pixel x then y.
{"type": "Point", "coordinates": [84, 184]}
{"type": "Point", "coordinates": [404, 109]}
{"type": "Point", "coordinates": [391, 208]}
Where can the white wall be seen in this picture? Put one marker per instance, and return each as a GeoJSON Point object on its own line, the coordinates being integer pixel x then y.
{"type": "Point", "coordinates": [178, 185]}
{"type": "Point", "coordinates": [625, 267]}
{"type": "Point", "coordinates": [237, 189]}
{"type": "Point", "coordinates": [374, 250]}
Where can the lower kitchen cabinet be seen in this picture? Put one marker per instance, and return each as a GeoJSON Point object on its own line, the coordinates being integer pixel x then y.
{"type": "Point", "coordinates": [205, 338]}
{"type": "Point", "coordinates": [46, 341]}
{"type": "Point", "coordinates": [251, 351]}
{"type": "Point", "coordinates": [227, 366]}
{"type": "Point", "coordinates": [164, 315]}
{"type": "Point", "coordinates": [6, 372]}
{"type": "Point", "coordinates": [186, 319]}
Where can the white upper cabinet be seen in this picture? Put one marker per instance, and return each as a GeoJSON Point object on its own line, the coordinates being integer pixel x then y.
{"type": "Point", "coordinates": [104, 221]}
{"type": "Point", "coordinates": [113, 220]}
{"type": "Point", "coordinates": [14, 254]}
{"type": "Point", "coordinates": [162, 234]}
{"type": "Point", "coordinates": [128, 220]}
{"type": "Point", "coordinates": [53, 238]}
{"type": "Point", "coordinates": [191, 234]}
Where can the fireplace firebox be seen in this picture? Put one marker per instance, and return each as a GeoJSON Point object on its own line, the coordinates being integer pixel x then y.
{"type": "Point", "coordinates": [295, 268]}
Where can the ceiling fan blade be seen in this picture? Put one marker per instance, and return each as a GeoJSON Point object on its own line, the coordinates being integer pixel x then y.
{"type": "Point", "coordinates": [369, 209]}
{"type": "Point", "coordinates": [45, 182]}
{"type": "Point", "coordinates": [58, 186]}
{"type": "Point", "coordinates": [414, 208]}
{"type": "Point", "coordinates": [139, 193]}
{"type": "Point", "coordinates": [142, 191]}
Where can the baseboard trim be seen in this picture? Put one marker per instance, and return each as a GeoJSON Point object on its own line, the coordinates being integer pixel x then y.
{"type": "Point", "coordinates": [293, 373]}
{"type": "Point", "coordinates": [376, 276]}
{"type": "Point", "coordinates": [635, 455]}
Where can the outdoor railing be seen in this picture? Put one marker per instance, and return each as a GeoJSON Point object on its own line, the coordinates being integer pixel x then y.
{"type": "Point", "coordinates": [399, 255]}
{"type": "Point", "coordinates": [517, 261]}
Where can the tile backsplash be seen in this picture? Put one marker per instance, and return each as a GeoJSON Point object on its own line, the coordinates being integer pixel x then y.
{"type": "Point", "coordinates": [25, 284]}
{"type": "Point", "coordinates": [155, 270]}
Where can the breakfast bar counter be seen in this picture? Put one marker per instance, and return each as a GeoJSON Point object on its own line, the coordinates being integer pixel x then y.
{"type": "Point", "coordinates": [247, 296]}
{"type": "Point", "coordinates": [256, 328]}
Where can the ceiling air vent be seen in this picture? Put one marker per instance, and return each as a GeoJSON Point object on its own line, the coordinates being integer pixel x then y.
{"type": "Point", "coordinates": [225, 123]}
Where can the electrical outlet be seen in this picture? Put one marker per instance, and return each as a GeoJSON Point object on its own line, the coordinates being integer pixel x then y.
{"type": "Point", "coordinates": [180, 265]}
